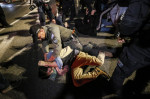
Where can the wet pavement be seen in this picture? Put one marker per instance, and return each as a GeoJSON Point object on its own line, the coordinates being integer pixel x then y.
{"type": "Point", "coordinates": [18, 61]}
{"type": "Point", "coordinates": [15, 10]}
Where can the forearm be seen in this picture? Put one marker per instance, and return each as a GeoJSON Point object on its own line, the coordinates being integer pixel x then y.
{"type": "Point", "coordinates": [56, 41]}
{"type": "Point", "coordinates": [47, 64]}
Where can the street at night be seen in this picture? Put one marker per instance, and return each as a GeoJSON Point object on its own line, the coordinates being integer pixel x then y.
{"type": "Point", "coordinates": [19, 62]}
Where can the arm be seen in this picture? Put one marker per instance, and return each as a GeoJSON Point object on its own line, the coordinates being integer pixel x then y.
{"type": "Point", "coordinates": [62, 71]}
{"type": "Point", "coordinates": [54, 64]}
{"type": "Point", "coordinates": [53, 41]}
{"type": "Point", "coordinates": [134, 18]}
{"type": "Point", "coordinates": [47, 64]}
{"type": "Point", "coordinates": [56, 40]}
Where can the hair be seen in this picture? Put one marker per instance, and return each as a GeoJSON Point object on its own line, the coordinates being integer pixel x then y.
{"type": "Point", "coordinates": [33, 30]}
{"type": "Point", "coordinates": [43, 72]}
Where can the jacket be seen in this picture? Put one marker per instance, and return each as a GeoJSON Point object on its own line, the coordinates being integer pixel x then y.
{"type": "Point", "coordinates": [56, 35]}
{"type": "Point", "coordinates": [136, 17]}
{"type": "Point", "coordinates": [136, 24]}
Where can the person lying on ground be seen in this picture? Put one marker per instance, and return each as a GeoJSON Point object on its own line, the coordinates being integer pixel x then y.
{"type": "Point", "coordinates": [75, 60]}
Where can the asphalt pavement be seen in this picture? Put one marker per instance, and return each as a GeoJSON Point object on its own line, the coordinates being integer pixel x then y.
{"type": "Point", "coordinates": [18, 62]}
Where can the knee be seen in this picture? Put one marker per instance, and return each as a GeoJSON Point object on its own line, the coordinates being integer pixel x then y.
{"type": "Point", "coordinates": [77, 73]}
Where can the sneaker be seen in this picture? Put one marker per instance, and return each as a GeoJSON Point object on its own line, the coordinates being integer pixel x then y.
{"type": "Point", "coordinates": [88, 47]}
{"type": "Point", "coordinates": [7, 89]}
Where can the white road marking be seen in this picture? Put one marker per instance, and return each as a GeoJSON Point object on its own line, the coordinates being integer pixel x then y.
{"type": "Point", "coordinates": [19, 52]}
{"type": "Point", "coordinates": [4, 45]}
{"type": "Point", "coordinates": [19, 19]}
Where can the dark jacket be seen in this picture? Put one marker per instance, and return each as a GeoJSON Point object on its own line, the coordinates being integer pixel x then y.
{"type": "Point", "coordinates": [136, 17]}
{"type": "Point", "coordinates": [136, 24]}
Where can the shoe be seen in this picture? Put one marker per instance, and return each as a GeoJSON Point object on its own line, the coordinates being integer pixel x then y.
{"type": "Point", "coordinates": [13, 84]}
{"type": "Point", "coordinates": [88, 47]}
{"type": "Point", "coordinates": [7, 89]}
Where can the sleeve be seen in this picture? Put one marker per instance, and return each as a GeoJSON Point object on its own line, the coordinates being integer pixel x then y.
{"type": "Point", "coordinates": [134, 18]}
{"type": "Point", "coordinates": [45, 46]}
{"type": "Point", "coordinates": [56, 41]}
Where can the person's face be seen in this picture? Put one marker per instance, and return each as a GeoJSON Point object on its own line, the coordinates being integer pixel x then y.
{"type": "Point", "coordinates": [49, 71]}
{"type": "Point", "coordinates": [41, 34]}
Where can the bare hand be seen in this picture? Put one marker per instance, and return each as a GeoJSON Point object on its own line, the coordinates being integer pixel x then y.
{"type": "Point", "coordinates": [120, 40]}
{"type": "Point", "coordinates": [92, 12]}
{"type": "Point", "coordinates": [66, 68]}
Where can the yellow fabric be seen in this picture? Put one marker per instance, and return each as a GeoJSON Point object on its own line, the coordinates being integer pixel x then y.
{"type": "Point", "coordinates": [84, 59]}
{"type": "Point", "coordinates": [77, 72]}
{"type": "Point", "coordinates": [65, 52]}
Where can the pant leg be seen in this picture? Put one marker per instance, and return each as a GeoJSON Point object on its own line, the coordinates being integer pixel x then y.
{"type": "Point", "coordinates": [79, 78]}
{"type": "Point", "coordinates": [125, 67]}
{"type": "Point", "coordinates": [84, 59]}
{"type": "Point", "coordinates": [3, 21]}
{"type": "Point", "coordinates": [49, 14]}
{"type": "Point", "coordinates": [42, 18]}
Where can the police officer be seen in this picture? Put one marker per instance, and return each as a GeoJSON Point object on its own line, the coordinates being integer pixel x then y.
{"type": "Point", "coordinates": [136, 55]}
{"type": "Point", "coordinates": [54, 37]}
{"type": "Point", "coordinates": [44, 6]}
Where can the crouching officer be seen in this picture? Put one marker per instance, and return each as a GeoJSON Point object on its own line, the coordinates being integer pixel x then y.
{"type": "Point", "coordinates": [54, 37]}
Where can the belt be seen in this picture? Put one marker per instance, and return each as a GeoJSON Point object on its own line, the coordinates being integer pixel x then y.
{"type": "Point", "coordinates": [69, 39]}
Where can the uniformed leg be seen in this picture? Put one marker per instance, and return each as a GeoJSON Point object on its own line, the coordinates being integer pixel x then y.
{"type": "Point", "coordinates": [42, 18]}
{"type": "Point", "coordinates": [125, 67]}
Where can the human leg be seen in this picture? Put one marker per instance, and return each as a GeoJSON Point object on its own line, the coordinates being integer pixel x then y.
{"type": "Point", "coordinates": [78, 76]}
{"type": "Point", "coordinates": [125, 67]}
{"type": "Point", "coordinates": [42, 18]}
